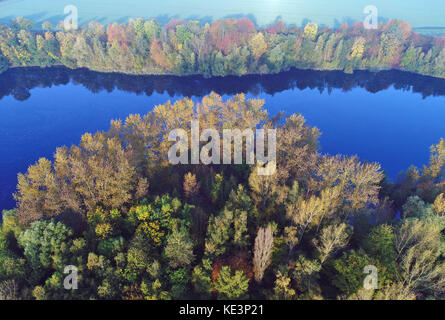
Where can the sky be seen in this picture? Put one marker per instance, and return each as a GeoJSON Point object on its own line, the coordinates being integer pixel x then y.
{"type": "Point", "coordinates": [420, 13]}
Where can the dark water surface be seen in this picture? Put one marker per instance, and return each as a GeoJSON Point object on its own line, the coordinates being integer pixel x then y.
{"type": "Point", "coordinates": [389, 117]}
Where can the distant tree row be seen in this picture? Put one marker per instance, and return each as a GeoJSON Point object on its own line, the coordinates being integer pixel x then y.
{"type": "Point", "coordinates": [224, 47]}
{"type": "Point", "coordinates": [137, 227]}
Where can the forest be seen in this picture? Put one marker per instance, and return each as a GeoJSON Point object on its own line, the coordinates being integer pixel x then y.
{"type": "Point", "coordinates": [224, 47]}
{"type": "Point", "coordinates": [137, 227]}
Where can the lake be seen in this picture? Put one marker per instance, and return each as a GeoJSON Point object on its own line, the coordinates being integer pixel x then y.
{"type": "Point", "coordinates": [390, 117]}
{"type": "Point", "coordinates": [426, 13]}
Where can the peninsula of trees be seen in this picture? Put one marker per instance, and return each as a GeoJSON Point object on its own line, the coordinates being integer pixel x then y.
{"type": "Point", "coordinates": [137, 227]}
{"type": "Point", "coordinates": [224, 47]}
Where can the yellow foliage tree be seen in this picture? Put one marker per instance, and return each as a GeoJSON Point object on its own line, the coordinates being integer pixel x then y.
{"type": "Point", "coordinates": [437, 160]}
{"type": "Point", "coordinates": [257, 45]}
{"type": "Point", "coordinates": [310, 31]}
{"type": "Point", "coordinates": [358, 48]}
{"type": "Point", "coordinates": [103, 230]}
{"type": "Point", "coordinates": [439, 204]}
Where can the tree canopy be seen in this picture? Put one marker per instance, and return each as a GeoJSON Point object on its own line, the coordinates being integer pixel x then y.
{"type": "Point", "coordinates": [223, 47]}
{"type": "Point", "coordinates": [137, 227]}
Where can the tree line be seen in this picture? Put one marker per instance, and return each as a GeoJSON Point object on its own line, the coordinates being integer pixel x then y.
{"type": "Point", "coordinates": [223, 47]}
{"type": "Point", "coordinates": [137, 227]}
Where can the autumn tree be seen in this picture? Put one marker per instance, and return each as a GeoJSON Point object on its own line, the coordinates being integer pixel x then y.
{"type": "Point", "coordinates": [179, 250]}
{"type": "Point", "coordinates": [98, 172]}
{"type": "Point", "coordinates": [310, 31]}
{"type": "Point", "coordinates": [439, 205]}
{"type": "Point", "coordinates": [262, 252]}
{"type": "Point", "coordinates": [201, 278]}
{"type": "Point", "coordinates": [305, 214]}
{"type": "Point", "coordinates": [305, 276]}
{"type": "Point", "coordinates": [230, 32]}
{"type": "Point", "coordinates": [437, 160]}
{"type": "Point", "coordinates": [282, 289]}
{"type": "Point", "coordinates": [231, 285]}
{"type": "Point", "coordinates": [417, 245]}
{"type": "Point", "coordinates": [358, 48]}
{"type": "Point", "coordinates": [257, 45]}
{"type": "Point", "coordinates": [278, 27]}
{"type": "Point", "coordinates": [32, 191]}
{"type": "Point", "coordinates": [191, 186]}
{"type": "Point", "coordinates": [159, 56]}
{"type": "Point", "coordinates": [227, 228]}
{"type": "Point", "coordinates": [331, 239]}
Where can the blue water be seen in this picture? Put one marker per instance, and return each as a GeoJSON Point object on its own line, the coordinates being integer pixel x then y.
{"type": "Point", "coordinates": [328, 12]}
{"type": "Point", "coordinates": [390, 117]}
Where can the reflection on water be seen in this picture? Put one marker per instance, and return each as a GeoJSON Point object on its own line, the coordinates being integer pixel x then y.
{"type": "Point", "coordinates": [18, 82]}
{"type": "Point", "coordinates": [390, 117]}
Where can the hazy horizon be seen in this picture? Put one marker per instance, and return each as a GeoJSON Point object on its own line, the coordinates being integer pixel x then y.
{"type": "Point", "coordinates": [426, 13]}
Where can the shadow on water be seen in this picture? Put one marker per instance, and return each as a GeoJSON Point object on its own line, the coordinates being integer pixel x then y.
{"type": "Point", "coordinates": [19, 82]}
